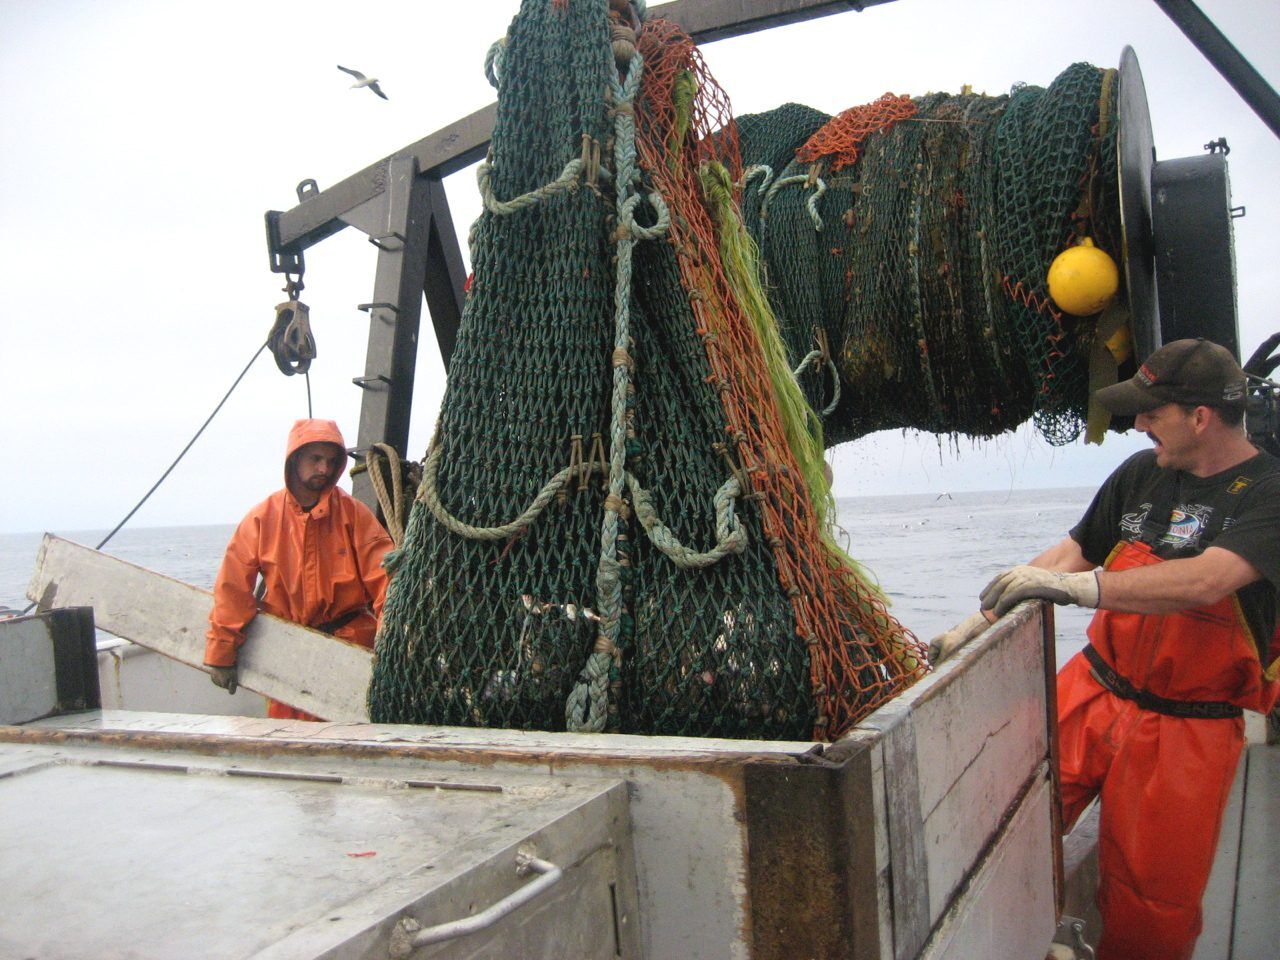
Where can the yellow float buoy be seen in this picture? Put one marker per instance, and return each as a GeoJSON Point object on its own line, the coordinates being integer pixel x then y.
{"type": "Point", "coordinates": [1083, 279]}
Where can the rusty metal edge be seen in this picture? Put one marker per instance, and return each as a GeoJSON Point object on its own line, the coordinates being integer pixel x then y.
{"type": "Point", "coordinates": [811, 862]}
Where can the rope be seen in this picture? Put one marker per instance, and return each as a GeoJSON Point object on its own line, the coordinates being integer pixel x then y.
{"type": "Point", "coordinates": [762, 170]}
{"type": "Point", "coordinates": [568, 180]}
{"type": "Point", "coordinates": [586, 707]}
{"type": "Point", "coordinates": [820, 187]}
{"type": "Point", "coordinates": [392, 502]}
{"type": "Point", "coordinates": [627, 221]}
{"type": "Point", "coordinates": [179, 457]}
{"type": "Point", "coordinates": [493, 62]}
{"type": "Point", "coordinates": [730, 536]}
{"type": "Point", "coordinates": [430, 497]}
{"type": "Point", "coordinates": [813, 358]}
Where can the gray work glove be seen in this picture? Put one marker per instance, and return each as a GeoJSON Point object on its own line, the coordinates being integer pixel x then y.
{"type": "Point", "coordinates": [1026, 582]}
{"type": "Point", "coordinates": [224, 677]}
{"type": "Point", "coordinates": [945, 644]}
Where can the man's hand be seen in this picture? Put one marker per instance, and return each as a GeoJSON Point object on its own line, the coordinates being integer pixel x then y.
{"type": "Point", "coordinates": [945, 644]}
{"type": "Point", "coordinates": [224, 677]}
{"type": "Point", "coordinates": [1025, 582]}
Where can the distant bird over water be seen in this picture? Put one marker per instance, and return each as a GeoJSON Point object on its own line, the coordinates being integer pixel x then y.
{"type": "Point", "coordinates": [363, 81]}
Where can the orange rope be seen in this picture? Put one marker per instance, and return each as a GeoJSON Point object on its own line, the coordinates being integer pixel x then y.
{"type": "Point", "coordinates": [860, 656]}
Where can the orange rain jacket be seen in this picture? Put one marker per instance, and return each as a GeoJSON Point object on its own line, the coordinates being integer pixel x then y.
{"type": "Point", "coordinates": [318, 566]}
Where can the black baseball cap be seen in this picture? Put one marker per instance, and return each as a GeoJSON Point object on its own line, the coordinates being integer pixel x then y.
{"type": "Point", "coordinates": [1194, 372]}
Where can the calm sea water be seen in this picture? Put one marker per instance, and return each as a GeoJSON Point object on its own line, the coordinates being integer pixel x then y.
{"type": "Point", "coordinates": [932, 555]}
{"type": "Point", "coordinates": [191, 554]}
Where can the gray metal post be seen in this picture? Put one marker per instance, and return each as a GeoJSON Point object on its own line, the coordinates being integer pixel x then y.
{"type": "Point", "coordinates": [1226, 59]}
{"type": "Point", "coordinates": [445, 273]}
{"type": "Point", "coordinates": [394, 314]}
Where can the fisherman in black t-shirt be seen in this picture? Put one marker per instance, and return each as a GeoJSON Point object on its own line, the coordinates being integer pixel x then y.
{"type": "Point", "coordinates": [1149, 713]}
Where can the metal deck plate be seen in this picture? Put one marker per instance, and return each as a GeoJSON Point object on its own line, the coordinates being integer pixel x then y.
{"type": "Point", "coordinates": [120, 854]}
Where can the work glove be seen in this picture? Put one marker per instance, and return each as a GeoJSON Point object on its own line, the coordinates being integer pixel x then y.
{"type": "Point", "coordinates": [1026, 582]}
{"type": "Point", "coordinates": [945, 644]}
{"type": "Point", "coordinates": [224, 677]}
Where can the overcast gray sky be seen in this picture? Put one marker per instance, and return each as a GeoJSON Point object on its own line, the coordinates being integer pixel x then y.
{"type": "Point", "coordinates": [144, 140]}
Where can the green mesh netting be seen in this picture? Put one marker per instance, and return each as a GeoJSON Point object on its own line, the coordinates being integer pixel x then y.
{"type": "Point", "coordinates": [495, 632]}
{"type": "Point", "coordinates": [621, 525]}
{"type": "Point", "coordinates": [925, 263]}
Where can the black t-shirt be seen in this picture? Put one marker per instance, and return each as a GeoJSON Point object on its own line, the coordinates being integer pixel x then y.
{"type": "Point", "coordinates": [1180, 515]}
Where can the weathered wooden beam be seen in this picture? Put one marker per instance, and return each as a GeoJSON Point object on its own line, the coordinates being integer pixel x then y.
{"type": "Point", "coordinates": [961, 754]}
{"type": "Point", "coordinates": [304, 668]}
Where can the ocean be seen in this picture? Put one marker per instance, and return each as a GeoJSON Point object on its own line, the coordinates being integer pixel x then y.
{"type": "Point", "coordinates": [191, 554]}
{"type": "Point", "coordinates": [931, 554]}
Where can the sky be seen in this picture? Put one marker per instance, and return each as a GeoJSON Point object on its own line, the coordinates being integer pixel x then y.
{"type": "Point", "coordinates": [141, 142]}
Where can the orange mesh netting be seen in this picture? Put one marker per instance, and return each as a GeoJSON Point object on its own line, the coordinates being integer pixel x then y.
{"type": "Point", "coordinates": [859, 655]}
{"type": "Point", "coordinates": [841, 137]}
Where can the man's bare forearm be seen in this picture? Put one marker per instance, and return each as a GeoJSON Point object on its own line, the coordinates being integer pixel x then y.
{"type": "Point", "coordinates": [1175, 584]}
{"type": "Point", "coordinates": [1165, 587]}
{"type": "Point", "coordinates": [1064, 556]}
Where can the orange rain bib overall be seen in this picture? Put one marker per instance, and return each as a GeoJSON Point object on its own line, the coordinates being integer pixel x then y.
{"type": "Point", "coordinates": [1163, 778]}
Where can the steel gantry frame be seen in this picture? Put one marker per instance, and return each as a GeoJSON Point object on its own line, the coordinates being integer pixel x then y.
{"type": "Point", "coordinates": [400, 204]}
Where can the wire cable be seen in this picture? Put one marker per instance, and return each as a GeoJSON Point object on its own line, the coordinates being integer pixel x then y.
{"type": "Point", "coordinates": [178, 459]}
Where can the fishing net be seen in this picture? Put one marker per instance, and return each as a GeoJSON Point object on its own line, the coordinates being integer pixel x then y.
{"type": "Point", "coordinates": [907, 244]}
{"type": "Point", "coordinates": [624, 520]}
{"type": "Point", "coordinates": [623, 523]}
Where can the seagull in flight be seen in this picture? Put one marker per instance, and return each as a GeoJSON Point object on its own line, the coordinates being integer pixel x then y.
{"type": "Point", "coordinates": [363, 81]}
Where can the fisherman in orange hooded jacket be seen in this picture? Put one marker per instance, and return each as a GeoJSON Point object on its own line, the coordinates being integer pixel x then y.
{"type": "Point", "coordinates": [1149, 713]}
{"type": "Point", "coordinates": [318, 550]}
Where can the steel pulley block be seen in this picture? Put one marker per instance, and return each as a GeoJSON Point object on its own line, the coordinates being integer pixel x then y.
{"type": "Point", "coordinates": [290, 340]}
